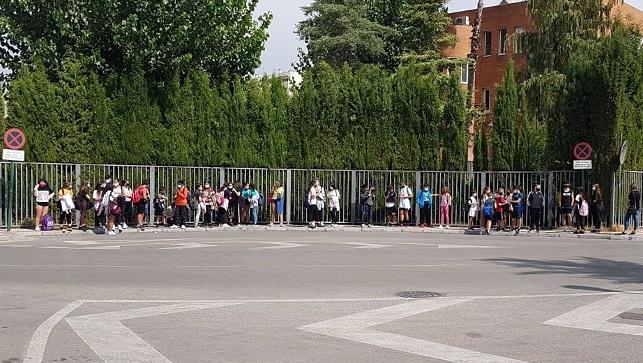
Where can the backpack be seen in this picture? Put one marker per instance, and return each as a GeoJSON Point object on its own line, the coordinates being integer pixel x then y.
{"type": "Point", "coordinates": [159, 205]}
{"type": "Point", "coordinates": [487, 210]}
{"type": "Point", "coordinates": [137, 197]}
{"type": "Point", "coordinates": [262, 200]}
{"type": "Point", "coordinates": [194, 201]}
{"type": "Point", "coordinates": [47, 223]}
{"type": "Point", "coordinates": [583, 210]}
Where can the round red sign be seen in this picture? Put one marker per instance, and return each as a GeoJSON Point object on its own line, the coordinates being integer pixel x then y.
{"type": "Point", "coordinates": [583, 151]}
{"type": "Point", "coordinates": [14, 139]}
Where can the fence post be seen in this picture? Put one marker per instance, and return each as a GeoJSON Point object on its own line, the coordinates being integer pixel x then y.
{"type": "Point", "coordinates": [354, 187]}
{"type": "Point", "coordinates": [288, 195]}
{"type": "Point", "coordinates": [614, 200]}
{"type": "Point", "coordinates": [221, 176]}
{"type": "Point", "coordinates": [418, 186]}
{"type": "Point", "coordinates": [152, 186]}
{"type": "Point", "coordinates": [551, 200]}
{"type": "Point", "coordinates": [78, 181]}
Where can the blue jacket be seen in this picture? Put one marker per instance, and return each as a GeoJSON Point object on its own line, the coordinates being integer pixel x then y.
{"type": "Point", "coordinates": [421, 196]}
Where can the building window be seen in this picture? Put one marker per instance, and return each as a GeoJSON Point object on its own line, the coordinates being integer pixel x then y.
{"type": "Point", "coordinates": [518, 46]}
{"type": "Point", "coordinates": [502, 49]}
{"type": "Point", "coordinates": [464, 73]}
{"type": "Point", "coordinates": [487, 43]}
{"type": "Point", "coordinates": [487, 99]}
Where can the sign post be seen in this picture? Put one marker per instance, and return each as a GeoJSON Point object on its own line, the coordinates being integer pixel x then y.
{"type": "Point", "coordinates": [14, 141]}
{"type": "Point", "coordinates": [583, 159]}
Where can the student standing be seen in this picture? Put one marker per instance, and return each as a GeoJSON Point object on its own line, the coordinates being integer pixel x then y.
{"type": "Point", "coordinates": [208, 196]}
{"type": "Point", "coordinates": [246, 194]}
{"type": "Point", "coordinates": [424, 201]}
{"type": "Point", "coordinates": [445, 206]}
{"type": "Point", "coordinates": [277, 197]}
{"type": "Point", "coordinates": [66, 202]}
{"type": "Point", "coordinates": [488, 210]}
{"type": "Point", "coordinates": [43, 194]}
{"type": "Point", "coordinates": [127, 204]}
{"type": "Point", "coordinates": [405, 204]}
{"type": "Point", "coordinates": [253, 203]}
{"type": "Point", "coordinates": [223, 203]}
{"type": "Point", "coordinates": [367, 201]}
{"type": "Point", "coordinates": [516, 207]}
{"type": "Point", "coordinates": [536, 204]}
{"type": "Point", "coordinates": [596, 208]}
{"type": "Point", "coordinates": [181, 205]}
{"type": "Point", "coordinates": [581, 211]}
{"type": "Point", "coordinates": [473, 205]}
{"type": "Point", "coordinates": [140, 200]}
{"type": "Point", "coordinates": [567, 206]}
{"type": "Point", "coordinates": [99, 211]}
{"type": "Point", "coordinates": [83, 204]}
{"type": "Point", "coordinates": [200, 205]}
{"type": "Point", "coordinates": [633, 209]}
{"type": "Point", "coordinates": [389, 203]}
{"type": "Point", "coordinates": [160, 207]}
{"type": "Point", "coordinates": [500, 205]}
{"type": "Point", "coordinates": [333, 203]}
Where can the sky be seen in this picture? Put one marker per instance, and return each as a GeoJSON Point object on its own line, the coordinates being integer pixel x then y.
{"type": "Point", "coordinates": [281, 48]}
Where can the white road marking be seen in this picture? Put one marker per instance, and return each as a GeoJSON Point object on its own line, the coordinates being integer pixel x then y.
{"type": "Point", "coordinates": [280, 246]}
{"type": "Point", "coordinates": [186, 246]}
{"type": "Point", "coordinates": [35, 350]}
{"type": "Point", "coordinates": [82, 248]}
{"type": "Point", "coordinates": [595, 316]}
{"type": "Point", "coordinates": [357, 328]}
{"type": "Point", "coordinates": [83, 243]}
{"type": "Point", "coordinates": [367, 246]}
{"type": "Point", "coordinates": [113, 342]}
{"type": "Point", "coordinates": [464, 246]}
{"type": "Point", "coordinates": [17, 246]}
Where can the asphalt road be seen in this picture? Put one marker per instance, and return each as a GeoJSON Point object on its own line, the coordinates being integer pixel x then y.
{"type": "Point", "coordinates": [296, 296]}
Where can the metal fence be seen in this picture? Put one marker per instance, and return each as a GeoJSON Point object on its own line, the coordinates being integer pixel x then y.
{"type": "Point", "coordinates": [295, 182]}
{"type": "Point", "coordinates": [620, 190]}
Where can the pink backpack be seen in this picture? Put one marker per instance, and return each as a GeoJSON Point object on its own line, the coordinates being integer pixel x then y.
{"type": "Point", "coordinates": [584, 209]}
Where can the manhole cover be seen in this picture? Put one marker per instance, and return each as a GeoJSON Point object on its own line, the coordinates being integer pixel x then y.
{"type": "Point", "coordinates": [631, 316]}
{"type": "Point", "coordinates": [419, 294]}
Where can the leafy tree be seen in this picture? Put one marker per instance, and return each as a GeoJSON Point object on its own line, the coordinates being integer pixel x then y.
{"type": "Point", "coordinates": [455, 132]}
{"type": "Point", "coordinates": [160, 37]}
{"type": "Point", "coordinates": [505, 118]}
{"type": "Point", "coordinates": [423, 30]}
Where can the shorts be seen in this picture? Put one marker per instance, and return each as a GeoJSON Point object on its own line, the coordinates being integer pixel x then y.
{"type": "Point", "coordinates": [280, 206]}
{"type": "Point", "coordinates": [140, 207]}
{"type": "Point", "coordinates": [497, 216]}
{"type": "Point", "coordinates": [517, 213]}
{"type": "Point", "coordinates": [42, 204]}
{"type": "Point", "coordinates": [473, 212]}
{"type": "Point", "coordinates": [391, 211]}
{"type": "Point", "coordinates": [565, 210]}
{"type": "Point", "coordinates": [405, 204]}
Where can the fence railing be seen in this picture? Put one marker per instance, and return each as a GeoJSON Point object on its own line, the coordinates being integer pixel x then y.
{"type": "Point", "coordinates": [295, 182]}
{"type": "Point", "coordinates": [620, 190]}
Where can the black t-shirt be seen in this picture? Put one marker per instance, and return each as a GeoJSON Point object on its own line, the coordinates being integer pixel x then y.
{"type": "Point", "coordinates": [634, 201]}
{"type": "Point", "coordinates": [391, 197]}
{"type": "Point", "coordinates": [566, 199]}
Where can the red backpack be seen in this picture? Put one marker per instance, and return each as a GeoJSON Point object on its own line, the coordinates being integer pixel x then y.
{"type": "Point", "coordinates": [137, 197]}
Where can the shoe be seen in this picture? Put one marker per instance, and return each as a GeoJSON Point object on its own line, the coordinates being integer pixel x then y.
{"type": "Point", "coordinates": [321, 225]}
{"type": "Point", "coordinates": [582, 232]}
{"type": "Point", "coordinates": [111, 233]}
{"type": "Point", "coordinates": [272, 224]}
{"type": "Point", "coordinates": [446, 227]}
{"type": "Point", "coordinates": [174, 226]}
{"type": "Point", "coordinates": [281, 225]}
{"type": "Point", "coordinates": [125, 226]}
{"type": "Point", "coordinates": [364, 225]}
{"type": "Point", "coordinates": [624, 233]}
{"type": "Point", "coordinates": [370, 226]}
{"type": "Point", "coordinates": [487, 233]}
{"type": "Point", "coordinates": [37, 229]}
{"type": "Point", "coordinates": [183, 227]}
{"type": "Point", "coordinates": [441, 227]}
{"type": "Point", "coordinates": [633, 233]}
{"type": "Point", "coordinates": [120, 228]}
{"type": "Point", "coordinates": [517, 233]}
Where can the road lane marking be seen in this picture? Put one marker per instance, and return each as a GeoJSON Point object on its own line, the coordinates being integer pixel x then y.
{"type": "Point", "coordinates": [82, 248]}
{"type": "Point", "coordinates": [367, 246]}
{"type": "Point", "coordinates": [357, 328]}
{"type": "Point", "coordinates": [596, 315]}
{"type": "Point", "coordinates": [187, 246]}
{"type": "Point", "coordinates": [35, 350]}
{"type": "Point", "coordinates": [113, 342]}
{"type": "Point", "coordinates": [17, 246]}
{"type": "Point", "coordinates": [375, 267]}
{"type": "Point", "coordinates": [279, 246]}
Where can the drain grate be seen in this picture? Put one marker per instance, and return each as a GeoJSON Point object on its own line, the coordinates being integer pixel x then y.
{"type": "Point", "coordinates": [631, 316]}
{"type": "Point", "coordinates": [419, 294]}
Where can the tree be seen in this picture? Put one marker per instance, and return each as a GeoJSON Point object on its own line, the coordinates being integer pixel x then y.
{"type": "Point", "coordinates": [455, 132]}
{"type": "Point", "coordinates": [339, 32]}
{"type": "Point", "coordinates": [161, 38]}
{"type": "Point", "coordinates": [505, 118]}
{"type": "Point", "coordinates": [423, 30]}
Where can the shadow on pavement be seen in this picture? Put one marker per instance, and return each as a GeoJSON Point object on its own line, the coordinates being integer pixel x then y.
{"type": "Point", "coordinates": [588, 288]}
{"type": "Point", "coordinates": [622, 272]}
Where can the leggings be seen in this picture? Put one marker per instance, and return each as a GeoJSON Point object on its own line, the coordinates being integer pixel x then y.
{"type": "Point", "coordinates": [65, 218]}
{"type": "Point", "coordinates": [334, 215]}
{"type": "Point", "coordinates": [180, 215]}
{"type": "Point", "coordinates": [222, 215]}
{"type": "Point", "coordinates": [425, 215]}
{"type": "Point", "coordinates": [99, 218]}
{"type": "Point", "coordinates": [444, 215]}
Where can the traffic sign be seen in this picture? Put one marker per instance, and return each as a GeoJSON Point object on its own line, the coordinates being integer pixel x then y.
{"type": "Point", "coordinates": [582, 165]}
{"type": "Point", "coordinates": [14, 139]}
{"type": "Point", "coordinates": [13, 155]}
{"type": "Point", "coordinates": [583, 151]}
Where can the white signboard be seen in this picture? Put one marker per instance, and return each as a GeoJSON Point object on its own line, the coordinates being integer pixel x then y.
{"type": "Point", "coordinates": [13, 155]}
{"type": "Point", "coordinates": [582, 165]}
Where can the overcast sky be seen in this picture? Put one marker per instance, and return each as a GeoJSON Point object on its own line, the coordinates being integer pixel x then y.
{"type": "Point", "coordinates": [281, 49]}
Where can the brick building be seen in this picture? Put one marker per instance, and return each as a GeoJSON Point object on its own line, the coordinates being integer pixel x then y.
{"type": "Point", "coordinates": [497, 45]}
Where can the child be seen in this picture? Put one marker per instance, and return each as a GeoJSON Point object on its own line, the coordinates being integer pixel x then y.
{"type": "Point", "coordinates": [405, 204]}
{"type": "Point", "coordinates": [445, 204]}
{"type": "Point", "coordinates": [473, 204]}
{"type": "Point", "coordinates": [389, 203]}
{"type": "Point", "coordinates": [424, 201]}
{"type": "Point", "coordinates": [160, 206]}
{"type": "Point", "coordinates": [581, 211]}
{"type": "Point", "coordinates": [489, 203]}
{"type": "Point", "coordinates": [501, 205]}
{"type": "Point", "coordinates": [516, 207]}
{"type": "Point", "coordinates": [333, 203]}
{"type": "Point", "coordinates": [65, 200]}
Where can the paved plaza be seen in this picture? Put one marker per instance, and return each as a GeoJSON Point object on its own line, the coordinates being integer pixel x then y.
{"type": "Point", "coordinates": [335, 296]}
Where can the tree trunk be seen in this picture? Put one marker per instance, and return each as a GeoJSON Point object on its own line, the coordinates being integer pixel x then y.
{"type": "Point", "coordinates": [471, 85]}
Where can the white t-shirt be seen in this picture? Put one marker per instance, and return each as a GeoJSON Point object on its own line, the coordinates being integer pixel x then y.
{"type": "Point", "coordinates": [333, 199]}
{"type": "Point", "coordinates": [405, 197]}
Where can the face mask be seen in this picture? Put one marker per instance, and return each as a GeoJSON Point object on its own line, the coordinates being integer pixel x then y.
{"type": "Point", "coordinates": [538, 190]}
{"type": "Point", "coordinates": [179, 186]}
{"type": "Point", "coordinates": [207, 186]}
{"type": "Point", "coordinates": [246, 187]}
{"type": "Point", "coordinates": [42, 185]}
{"type": "Point", "coordinates": [229, 186]}
{"type": "Point", "coordinates": [331, 189]}
{"type": "Point", "coordinates": [594, 188]}
{"type": "Point", "coordinates": [426, 190]}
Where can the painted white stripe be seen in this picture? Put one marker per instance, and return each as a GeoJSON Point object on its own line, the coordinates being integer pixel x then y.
{"type": "Point", "coordinates": [186, 246]}
{"type": "Point", "coordinates": [35, 350]}
{"type": "Point", "coordinates": [114, 343]}
{"type": "Point", "coordinates": [83, 243]}
{"type": "Point", "coordinates": [595, 316]}
{"type": "Point", "coordinates": [367, 246]}
{"type": "Point", "coordinates": [456, 247]}
{"type": "Point", "coordinates": [17, 246]}
{"type": "Point", "coordinates": [356, 328]}
{"type": "Point", "coordinates": [82, 248]}
{"type": "Point", "coordinates": [280, 246]}
{"type": "Point", "coordinates": [125, 267]}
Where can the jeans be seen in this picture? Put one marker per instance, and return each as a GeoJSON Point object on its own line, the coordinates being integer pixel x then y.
{"type": "Point", "coordinates": [367, 214]}
{"type": "Point", "coordinates": [535, 218]}
{"type": "Point", "coordinates": [633, 214]}
{"type": "Point", "coordinates": [208, 215]}
{"type": "Point", "coordinates": [180, 215]}
{"type": "Point", "coordinates": [255, 215]}
{"type": "Point", "coordinates": [65, 218]}
{"type": "Point", "coordinates": [334, 215]}
{"type": "Point", "coordinates": [99, 218]}
{"type": "Point", "coordinates": [200, 209]}
{"type": "Point", "coordinates": [425, 214]}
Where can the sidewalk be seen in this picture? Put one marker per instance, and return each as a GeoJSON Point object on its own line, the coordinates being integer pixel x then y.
{"type": "Point", "coordinates": [21, 234]}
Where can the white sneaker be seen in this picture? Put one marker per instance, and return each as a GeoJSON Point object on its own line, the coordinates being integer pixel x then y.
{"type": "Point", "coordinates": [111, 233]}
{"type": "Point", "coordinates": [364, 225]}
{"type": "Point", "coordinates": [125, 226]}
{"type": "Point", "coordinates": [120, 228]}
{"type": "Point", "coordinates": [183, 227]}
{"type": "Point", "coordinates": [226, 225]}
{"type": "Point", "coordinates": [441, 227]}
{"type": "Point", "coordinates": [174, 226]}
{"type": "Point", "coordinates": [272, 224]}
{"type": "Point", "coordinates": [447, 227]}
{"type": "Point", "coordinates": [281, 225]}
{"type": "Point", "coordinates": [322, 225]}
{"type": "Point", "coordinates": [37, 229]}
{"type": "Point", "coordinates": [370, 226]}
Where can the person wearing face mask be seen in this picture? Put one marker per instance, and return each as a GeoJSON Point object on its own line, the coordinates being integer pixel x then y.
{"type": "Point", "coordinates": [536, 204]}
{"type": "Point", "coordinates": [633, 210]}
{"type": "Point", "coordinates": [566, 205]}
{"type": "Point", "coordinates": [596, 208]}
{"type": "Point", "coordinates": [43, 194]}
{"type": "Point", "coordinates": [315, 200]}
{"type": "Point", "coordinates": [488, 210]}
{"type": "Point", "coordinates": [181, 205]}
{"type": "Point", "coordinates": [234, 195]}
{"type": "Point", "coordinates": [473, 205]}
{"type": "Point", "coordinates": [516, 203]}
{"type": "Point", "coordinates": [208, 197]}
{"type": "Point", "coordinates": [245, 202]}
{"type": "Point", "coordinates": [277, 197]}
{"type": "Point", "coordinates": [424, 201]}
{"type": "Point", "coordinates": [405, 204]}
{"type": "Point", "coordinates": [200, 205]}
{"type": "Point", "coordinates": [333, 202]}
